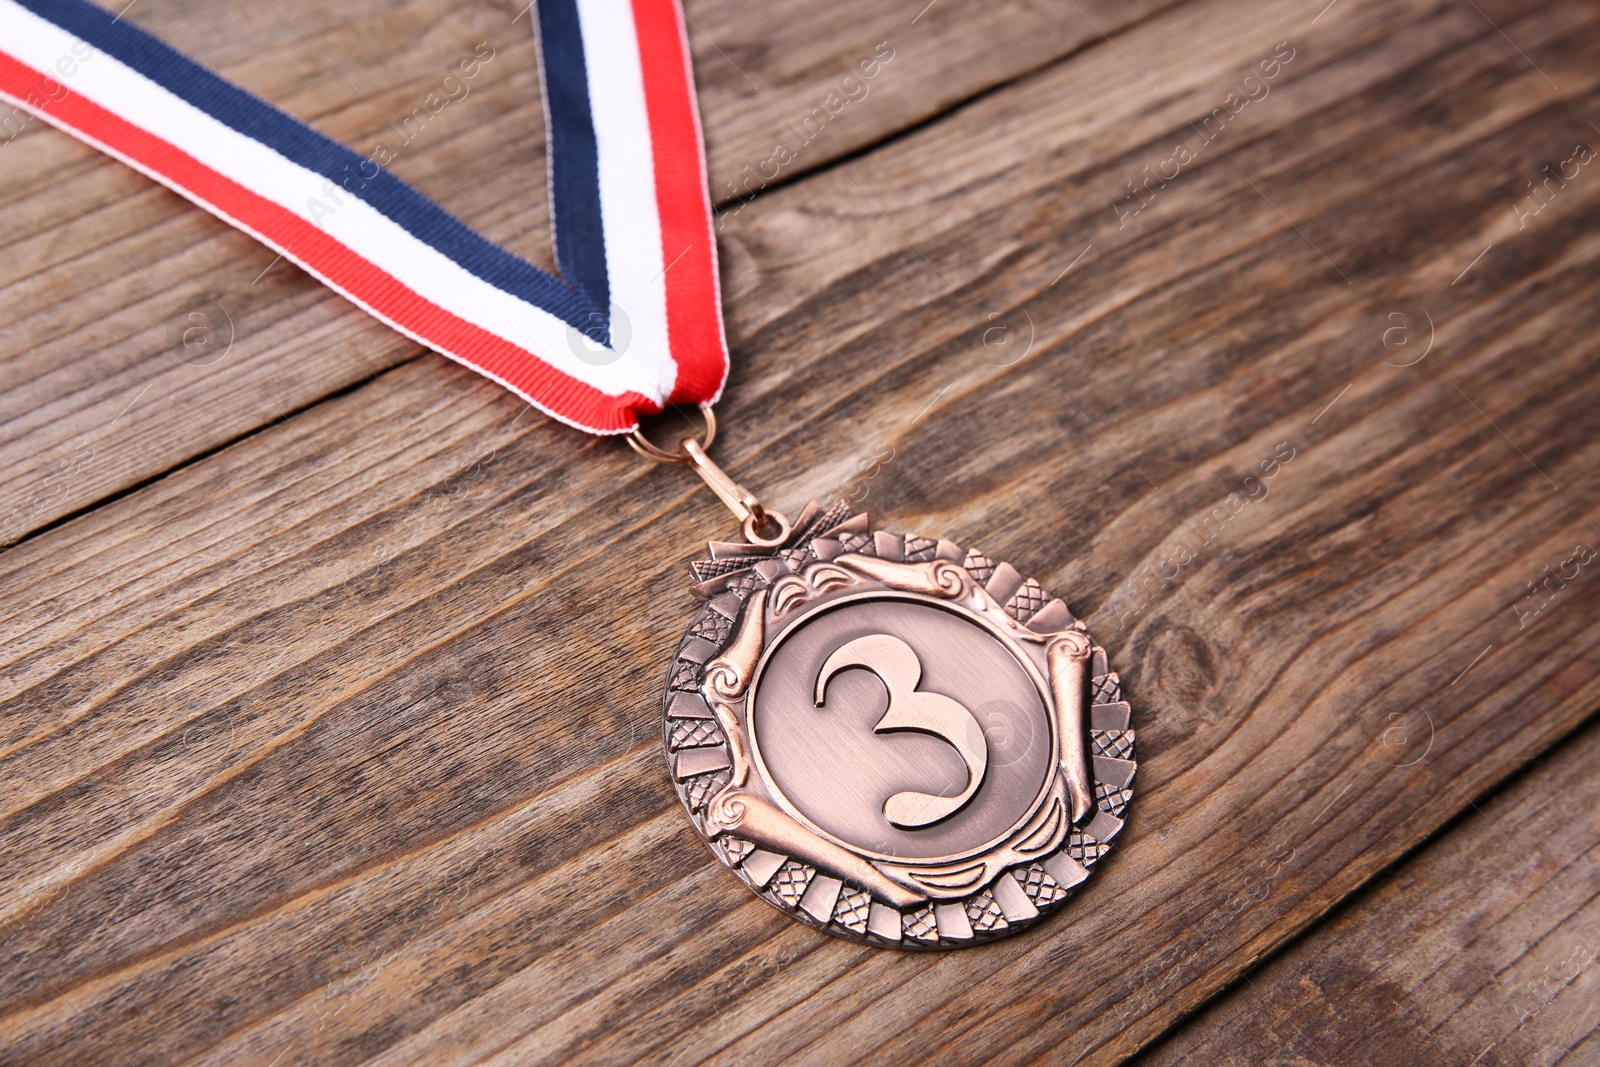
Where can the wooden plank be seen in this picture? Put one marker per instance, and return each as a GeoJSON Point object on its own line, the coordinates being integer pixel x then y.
{"type": "Point", "coordinates": [140, 333]}
{"type": "Point", "coordinates": [1480, 950]}
{"type": "Point", "coordinates": [341, 743]}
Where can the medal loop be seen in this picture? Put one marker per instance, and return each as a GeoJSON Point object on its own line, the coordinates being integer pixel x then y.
{"type": "Point", "coordinates": [761, 526]}
{"type": "Point", "coordinates": [652, 451]}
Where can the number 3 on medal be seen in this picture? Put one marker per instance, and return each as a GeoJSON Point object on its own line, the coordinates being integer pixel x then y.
{"type": "Point", "coordinates": [897, 667]}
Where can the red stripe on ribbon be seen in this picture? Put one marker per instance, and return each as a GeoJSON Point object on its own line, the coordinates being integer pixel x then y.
{"type": "Point", "coordinates": [694, 307]}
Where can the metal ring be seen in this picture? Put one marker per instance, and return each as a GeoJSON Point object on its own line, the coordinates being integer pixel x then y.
{"type": "Point", "coordinates": [756, 520]}
{"type": "Point", "coordinates": [640, 444]}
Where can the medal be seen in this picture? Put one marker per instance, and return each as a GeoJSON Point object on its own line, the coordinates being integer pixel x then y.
{"type": "Point", "coordinates": [890, 737]}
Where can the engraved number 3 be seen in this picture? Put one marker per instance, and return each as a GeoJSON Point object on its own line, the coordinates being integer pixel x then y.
{"type": "Point", "coordinates": [896, 665]}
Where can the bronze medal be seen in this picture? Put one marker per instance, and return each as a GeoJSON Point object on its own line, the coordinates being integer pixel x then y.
{"type": "Point", "coordinates": [892, 738]}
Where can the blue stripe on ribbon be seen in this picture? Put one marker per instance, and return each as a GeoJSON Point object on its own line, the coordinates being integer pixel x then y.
{"type": "Point", "coordinates": [419, 216]}
{"type": "Point", "coordinates": [574, 160]}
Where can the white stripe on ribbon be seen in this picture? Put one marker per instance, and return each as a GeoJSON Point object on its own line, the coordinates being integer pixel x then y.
{"type": "Point", "coordinates": [628, 210]}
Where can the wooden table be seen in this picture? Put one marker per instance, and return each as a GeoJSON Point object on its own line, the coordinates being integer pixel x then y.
{"type": "Point", "coordinates": [331, 676]}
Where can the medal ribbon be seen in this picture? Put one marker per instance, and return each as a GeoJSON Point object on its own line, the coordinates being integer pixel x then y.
{"type": "Point", "coordinates": [632, 323]}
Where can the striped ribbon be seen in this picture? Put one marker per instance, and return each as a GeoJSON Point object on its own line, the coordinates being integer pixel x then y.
{"type": "Point", "coordinates": [632, 323]}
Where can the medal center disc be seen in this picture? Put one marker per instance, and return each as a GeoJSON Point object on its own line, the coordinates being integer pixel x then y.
{"type": "Point", "coordinates": [877, 734]}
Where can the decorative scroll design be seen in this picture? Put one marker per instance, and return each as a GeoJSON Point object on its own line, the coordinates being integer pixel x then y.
{"type": "Point", "coordinates": [728, 676]}
{"type": "Point", "coordinates": [938, 577]}
{"type": "Point", "coordinates": [794, 589]}
{"type": "Point", "coordinates": [1068, 659]}
{"type": "Point", "coordinates": [738, 745]}
{"type": "Point", "coordinates": [757, 819]}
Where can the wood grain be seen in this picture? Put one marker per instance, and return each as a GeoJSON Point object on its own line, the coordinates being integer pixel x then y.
{"type": "Point", "coordinates": [340, 743]}
{"type": "Point", "coordinates": [1481, 950]}
{"type": "Point", "coordinates": [140, 333]}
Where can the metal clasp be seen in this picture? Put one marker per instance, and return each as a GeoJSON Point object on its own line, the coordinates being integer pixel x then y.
{"type": "Point", "coordinates": [761, 526]}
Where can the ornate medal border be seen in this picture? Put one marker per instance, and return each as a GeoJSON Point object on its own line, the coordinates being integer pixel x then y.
{"type": "Point", "coordinates": [917, 905]}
